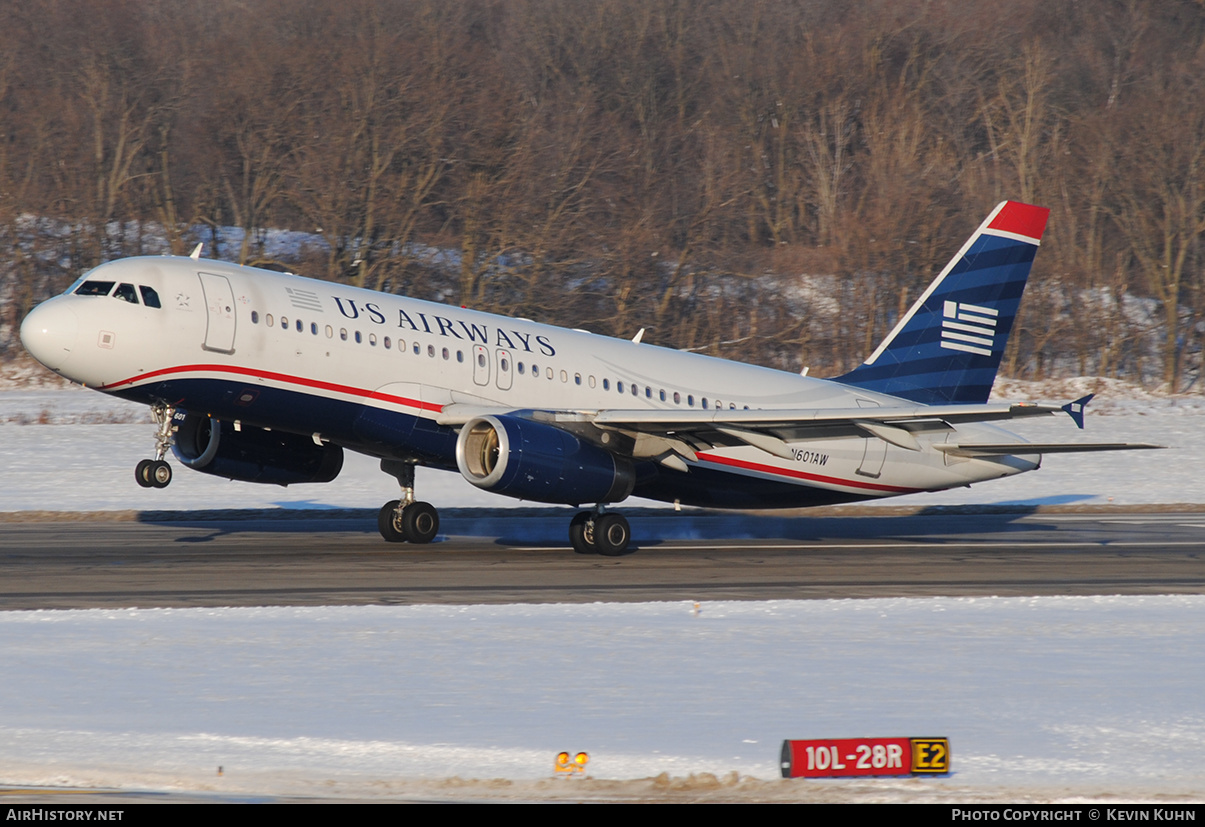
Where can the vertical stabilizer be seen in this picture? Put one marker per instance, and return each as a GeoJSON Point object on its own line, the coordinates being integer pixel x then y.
{"type": "Point", "coordinates": [947, 348]}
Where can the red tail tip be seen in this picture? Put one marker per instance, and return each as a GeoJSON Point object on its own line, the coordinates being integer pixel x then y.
{"type": "Point", "coordinates": [1022, 219]}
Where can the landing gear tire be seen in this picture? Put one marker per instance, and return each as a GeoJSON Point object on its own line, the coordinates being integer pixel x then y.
{"type": "Point", "coordinates": [160, 474]}
{"type": "Point", "coordinates": [612, 535]}
{"type": "Point", "coordinates": [581, 533]}
{"type": "Point", "coordinates": [142, 473]}
{"type": "Point", "coordinates": [420, 522]}
{"type": "Point", "coordinates": [153, 473]}
{"type": "Point", "coordinates": [389, 523]}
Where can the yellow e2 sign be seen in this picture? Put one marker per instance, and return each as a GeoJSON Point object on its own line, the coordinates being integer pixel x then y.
{"type": "Point", "coordinates": [930, 755]}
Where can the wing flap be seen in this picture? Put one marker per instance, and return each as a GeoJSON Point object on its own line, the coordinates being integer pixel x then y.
{"type": "Point", "coordinates": [762, 420]}
{"type": "Point", "coordinates": [1024, 448]}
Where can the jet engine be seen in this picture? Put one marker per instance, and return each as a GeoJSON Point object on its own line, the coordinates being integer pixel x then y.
{"type": "Point", "coordinates": [253, 454]}
{"type": "Point", "coordinates": [534, 461]}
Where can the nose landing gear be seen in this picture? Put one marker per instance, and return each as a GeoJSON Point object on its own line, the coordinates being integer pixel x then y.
{"type": "Point", "coordinates": [156, 473]}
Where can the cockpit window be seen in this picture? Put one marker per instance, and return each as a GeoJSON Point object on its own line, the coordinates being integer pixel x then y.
{"type": "Point", "coordinates": [126, 292]}
{"type": "Point", "coordinates": [94, 288]}
{"type": "Point", "coordinates": [149, 297]}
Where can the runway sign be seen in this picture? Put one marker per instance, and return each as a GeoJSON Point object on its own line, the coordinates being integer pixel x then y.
{"type": "Point", "coordinates": [844, 757]}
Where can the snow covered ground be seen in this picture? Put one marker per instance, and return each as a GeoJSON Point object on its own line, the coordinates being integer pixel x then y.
{"type": "Point", "coordinates": [1043, 698]}
{"type": "Point", "coordinates": [1055, 698]}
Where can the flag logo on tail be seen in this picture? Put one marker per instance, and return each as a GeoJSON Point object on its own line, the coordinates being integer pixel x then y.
{"type": "Point", "coordinates": [970, 328]}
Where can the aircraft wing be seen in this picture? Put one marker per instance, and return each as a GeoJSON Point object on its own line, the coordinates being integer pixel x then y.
{"type": "Point", "coordinates": [655, 432]}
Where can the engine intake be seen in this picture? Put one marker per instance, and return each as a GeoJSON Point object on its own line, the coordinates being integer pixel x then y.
{"type": "Point", "coordinates": [253, 454]}
{"type": "Point", "coordinates": [534, 461]}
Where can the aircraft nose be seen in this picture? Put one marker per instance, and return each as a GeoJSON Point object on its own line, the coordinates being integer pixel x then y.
{"type": "Point", "coordinates": [49, 333]}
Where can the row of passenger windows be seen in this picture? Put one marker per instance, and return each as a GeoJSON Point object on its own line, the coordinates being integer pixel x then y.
{"type": "Point", "coordinates": [504, 364]}
{"type": "Point", "coordinates": [125, 292]}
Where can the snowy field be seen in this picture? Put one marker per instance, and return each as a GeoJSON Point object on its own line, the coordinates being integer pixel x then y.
{"type": "Point", "coordinates": [1049, 698]}
{"type": "Point", "coordinates": [1064, 699]}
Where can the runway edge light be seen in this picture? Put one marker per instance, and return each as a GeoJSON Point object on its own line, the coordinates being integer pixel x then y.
{"type": "Point", "coordinates": [849, 757]}
{"type": "Point", "coordinates": [571, 765]}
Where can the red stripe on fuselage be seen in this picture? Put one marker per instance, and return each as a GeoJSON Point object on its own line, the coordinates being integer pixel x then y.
{"type": "Point", "coordinates": [276, 377]}
{"type": "Point", "coordinates": [791, 472]}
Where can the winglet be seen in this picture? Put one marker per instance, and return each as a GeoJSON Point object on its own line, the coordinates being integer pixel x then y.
{"type": "Point", "coordinates": [1075, 409]}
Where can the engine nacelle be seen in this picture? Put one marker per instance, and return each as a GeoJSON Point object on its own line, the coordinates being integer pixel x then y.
{"type": "Point", "coordinates": [253, 454]}
{"type": "Point", "coordinates": [533, 461]}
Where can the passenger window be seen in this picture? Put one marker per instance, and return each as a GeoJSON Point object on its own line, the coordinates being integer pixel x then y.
{"type": "Point", "coordinates": [149, 297]}
{"type": "Point", "coordinates": [94, 288]}
{"type": "Point", "coordinates": [254, 315]}
{"type": "Point", "coordinates": [126, 293]}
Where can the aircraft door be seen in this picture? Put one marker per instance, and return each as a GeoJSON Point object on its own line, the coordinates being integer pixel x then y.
{"type": "Point", "coordinates": [874, 450]}
{"type": "Point", "coordinates": [481, 365]}
{"type": "Point", "coordinates": [505, 369]}
{"type": "Point", "coordinates": [219, 302]}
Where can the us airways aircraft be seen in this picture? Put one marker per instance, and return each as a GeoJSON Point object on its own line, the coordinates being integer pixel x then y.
{"type": "Point", "coordinates": [267, 377]}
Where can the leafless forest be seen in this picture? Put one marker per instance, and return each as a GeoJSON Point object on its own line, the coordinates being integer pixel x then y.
{"type": "Point", "coordinates": [768, 180]}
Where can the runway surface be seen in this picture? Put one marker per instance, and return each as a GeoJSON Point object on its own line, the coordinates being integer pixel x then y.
{"type": "Point", "coordinates": [488, 556]}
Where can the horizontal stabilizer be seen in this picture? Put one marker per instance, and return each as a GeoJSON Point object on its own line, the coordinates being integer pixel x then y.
{"type": "Point", "coordinates": [1023, 448]}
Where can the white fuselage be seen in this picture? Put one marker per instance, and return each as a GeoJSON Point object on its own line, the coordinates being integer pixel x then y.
{"type": "Point", "coordinates": [323, 359]}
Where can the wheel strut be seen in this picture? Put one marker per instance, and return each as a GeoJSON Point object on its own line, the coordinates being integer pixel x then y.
{"type": "Point", "coordinates": [156, 473]}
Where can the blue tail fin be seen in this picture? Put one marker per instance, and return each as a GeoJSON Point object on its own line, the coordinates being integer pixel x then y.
{"type": "Point", "coordinates": [946, 350]}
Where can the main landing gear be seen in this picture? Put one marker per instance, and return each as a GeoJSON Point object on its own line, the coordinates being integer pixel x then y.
{"type": "Point", "coordinates": [593, 532]}
{"type": "Point", "coordinates": [156, 473]}
{"type": "Point", "coordinates": [405, 520]}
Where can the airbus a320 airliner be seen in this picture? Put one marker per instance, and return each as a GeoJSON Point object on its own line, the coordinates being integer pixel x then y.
{"type": "Point", "coordinates": [267, 377]}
